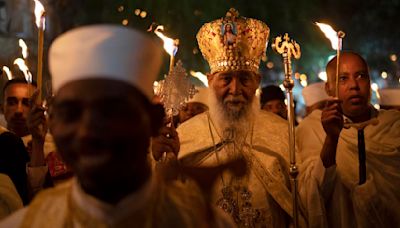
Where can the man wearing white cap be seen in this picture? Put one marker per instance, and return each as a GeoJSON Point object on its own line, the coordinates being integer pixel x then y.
{"type": "Point", "coordinates": [389, 98]}
{"type": "Point", "coordinates": [350, 154]}
{"type": "Point", "coordinates": [102, 120]}
{"type": "Point", "coordinates": [314, 96]}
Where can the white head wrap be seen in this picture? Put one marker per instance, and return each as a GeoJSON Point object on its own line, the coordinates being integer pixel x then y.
{"type": "Point", "coordinates": [314, 93]}
{"type": "Point", "coordinates": [389, 96]}
{"type": "Point", "coordinates": [105, 51]}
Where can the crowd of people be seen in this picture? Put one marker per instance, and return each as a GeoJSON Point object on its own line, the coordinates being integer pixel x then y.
{"type": "Point", "coordinates": [102, 153]}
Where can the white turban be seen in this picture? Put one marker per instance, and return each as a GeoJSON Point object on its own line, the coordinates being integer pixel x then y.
{"type": "Point", "coordinates": [389, 97]}
{"type": "Point", "coordinates": [314, 93]}
{"type": "Point", "coordinates": [105, 51]}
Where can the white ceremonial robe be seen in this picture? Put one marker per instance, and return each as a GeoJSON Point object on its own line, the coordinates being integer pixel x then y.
{"type": "Point", "coordinates": [3, 122]}
{"type": "Point", "coordinates": [333, 196]}
{"type": "Point", "coordinates": [269, 203]}
{"type": "Point", "coordinates": [156, 204]}
{"type": "Point", "coordinates": [10, 201]}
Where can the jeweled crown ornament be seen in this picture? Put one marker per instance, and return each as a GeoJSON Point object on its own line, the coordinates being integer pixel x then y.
{"type": "Point", "coordinates": [233, 42]}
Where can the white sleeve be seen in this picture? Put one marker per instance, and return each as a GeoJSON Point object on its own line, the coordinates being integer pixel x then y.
{"type": "Point", "coordinates": [36, 177]}
{"type": "Point", "coordinates": [14, 220]}
{"type": "Point", "coordinates": [325, 178]}
{"type": "Point", "coordinates": [368, 204]}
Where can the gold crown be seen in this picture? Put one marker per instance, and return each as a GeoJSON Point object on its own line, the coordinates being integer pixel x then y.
{"type": "Point", "coordinates": [233, 42]}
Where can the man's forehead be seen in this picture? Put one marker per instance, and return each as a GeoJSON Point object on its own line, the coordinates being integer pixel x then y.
{"type": "Point", "coordinates": [18, 90]}
{"type": "Point", "coordinates": [348, 59]}
{"type": "Point", "coordinates": [97, 89]}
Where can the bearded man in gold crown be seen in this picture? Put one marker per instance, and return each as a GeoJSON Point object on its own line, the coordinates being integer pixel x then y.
{"type": "Point", "coordinates": [234, 127]}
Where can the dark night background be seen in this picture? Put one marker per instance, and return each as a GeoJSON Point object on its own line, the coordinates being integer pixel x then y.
{"type": "Point", "coordinates": [370, 26]}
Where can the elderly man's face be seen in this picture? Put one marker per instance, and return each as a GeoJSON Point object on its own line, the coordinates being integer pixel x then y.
{"type": "Point", "coordinates": [234, 90]}
{"type": "Point", "coordinates": [16, 107]}
{"type": "Point", "coordinates": [354, 84]}
{"type": "Point", "coordinates": [102, 129]}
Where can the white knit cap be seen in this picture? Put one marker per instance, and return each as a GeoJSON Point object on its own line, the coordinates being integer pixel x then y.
{"type": "Point", "coordinates": [201, 96]}
{"type": "Point", "coordinates": [105, 51]}
{"type": "Point", "coordinates": [389, 96]}
{"type": "Point", "coordinates": [314, 93]}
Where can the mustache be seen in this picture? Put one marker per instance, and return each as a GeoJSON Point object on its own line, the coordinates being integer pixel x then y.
{"type": "Point", "coordinates": [235, 99]}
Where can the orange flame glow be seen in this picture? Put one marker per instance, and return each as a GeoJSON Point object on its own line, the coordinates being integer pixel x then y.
{"type": "Point", "coordinates": [8, 72]}
{"type": "Point", "coordinates": [202, 77]}
{"type": "Point", "coordinates": [24, 68]}
{"type": "Point", "coordinates": [170, 45]}
{"type": "Point", "coordinates": [330, 34]}
{"type": "Point", "coordinates": [24, 48]}
{"type": "Point", "coordinates": [39, 14]}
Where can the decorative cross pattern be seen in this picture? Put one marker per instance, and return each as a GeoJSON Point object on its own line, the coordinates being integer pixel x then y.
{"type": "Point", "coordinates": [176, 90]}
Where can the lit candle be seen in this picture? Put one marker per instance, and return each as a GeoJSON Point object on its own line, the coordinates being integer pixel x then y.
{"type": "Point", "coordinates": [202, 77]}
{"type": "Point", "coordinates": [24, 68]}
{"type": "Point", "coordinates": [24, 48]}
{"type": "Point", "coordinates": [40, 23]}
{"type": "Point", "coordinates": [336, 42]}
{"type": "Point", "coordinates": [170, 45]}
{"type": "Point", "coordinates": [8, 72]}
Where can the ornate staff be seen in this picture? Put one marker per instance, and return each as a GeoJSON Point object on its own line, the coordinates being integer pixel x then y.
{"type": "Point", "coordinates": [289, 48]}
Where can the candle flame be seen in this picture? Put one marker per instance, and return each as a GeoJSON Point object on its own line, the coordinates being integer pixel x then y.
{"type": "Point", "coordinates": [24, 68]}
{"type": "Point", "coordinates": [330, 34]}
{"type": "Point", "coordinates": [375, 88]}
{"type": "Point", "coordinates": [170, 45]}
{"type": "Point", "coordinates": [24, 48]}
{"type": "Point", "coordinates": [39, 14]}
{"type": "Point", "coordinates": [202, 77]}
{"type": "Point", "coordinates": [8, 72]}
{"type": "Point", "coordinates": [323, 76]}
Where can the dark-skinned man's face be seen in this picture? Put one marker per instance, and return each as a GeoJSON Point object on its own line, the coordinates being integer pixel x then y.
{"type": "Point", "coordinates": [102, 129]}
{"type": "Point", "coordinates": [16, 107]}
{"type": "Point", "coordinates": [354, 84]}
{"type": "Point", "coordinates": [235, 90]}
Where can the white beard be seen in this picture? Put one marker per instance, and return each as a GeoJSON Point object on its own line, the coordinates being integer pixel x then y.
{"type": "Point", "coordinates": [233, 124]}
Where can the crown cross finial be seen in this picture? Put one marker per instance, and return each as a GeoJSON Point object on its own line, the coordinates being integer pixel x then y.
{"type": "Point", "coordinates": [286, 37]}
{"type": "Point", "coordinates": [232, 13]}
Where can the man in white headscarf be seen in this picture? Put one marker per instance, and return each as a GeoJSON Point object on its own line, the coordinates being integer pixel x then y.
{"type": "Point", "coordinates": [389, 98]}
{"type": "Point", "coordinates": [315, 96]}
{"type": "Point", "coordinates": [332, 189]}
